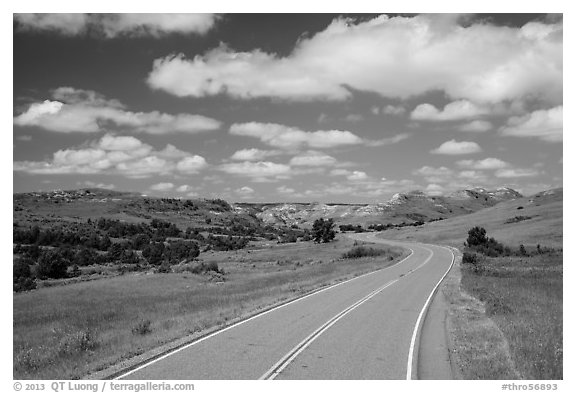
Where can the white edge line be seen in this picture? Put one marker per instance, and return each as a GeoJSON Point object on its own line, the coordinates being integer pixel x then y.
{"type": "Point", "coordinates": [251, 318]}
{"type": "Point", "coordinates": [275, 370]}
{"type": "Point", "coordinates": [421, 315]}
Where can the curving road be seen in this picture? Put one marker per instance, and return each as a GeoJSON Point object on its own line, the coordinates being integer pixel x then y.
{"type": "Point", "coordinates": [365, 328]}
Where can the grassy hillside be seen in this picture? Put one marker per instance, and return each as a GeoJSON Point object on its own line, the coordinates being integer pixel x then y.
{"type": "Point", "coordinates": [529, 220]}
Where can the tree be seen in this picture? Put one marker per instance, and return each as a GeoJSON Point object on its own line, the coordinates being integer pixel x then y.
{"type": "Point", "coordinates": [52, 264]}
{"type": "Point", "coordinates": [323, 230]}
{"type": "Point", "coordinates": [476, 237]}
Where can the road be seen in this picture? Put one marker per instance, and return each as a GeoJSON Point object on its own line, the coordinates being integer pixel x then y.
{"type": "Point", "coordinates": [365, 328]}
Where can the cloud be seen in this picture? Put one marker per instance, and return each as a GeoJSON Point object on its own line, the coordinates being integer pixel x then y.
{"type": "Point", "coordinates": [123, 155]}
{"type": "Point", "coordinates": [113, 25]}
{"type": "Point", "coordinates": [281, 136]}
{"type": "Point", "coordinates": [192, 164]}
{"type": "Point", "coordinates": [245, 191]}
{"type": "Point", "coordinates": [396, 57]}
{"type": "Point", "coordinates": [452, 147]}
{"type": "Point", "coordinates": [475, 176]}
{"type": "Point", "coordinates": [515, 173]}
{"type": "Point", "coordinates": [259, 170]}
{"type": "Point", "coordinates": [352, 117]}
{"type": "Point", "coordinates": [285, 190]}
{"type": "Point", "coordinates": [546, 125]}
{"type": "Point", "coordinates": [87, 111]}
{"type": "Point", "coordinates": [388, 141]}
{"type": "Point", "coordinates": [162, 187]}
{"type": "Point", "coordinates": [350, 175]}
{"type": "Point", "coordinates": [92, 184]}
{"type": "Point", "coordinates": [487, 163]}
{"type": "Point", "coordinates": [313, 158]}
{"type": "Point", "coordinates": [434, 189]}
{"type": "Point", "coordinates": [184, 188]}
{"type": "Point", "coordinates": [456, 110]}
{"type": "Point", "coordinates": [394, 110]}
{"type": "Point", "coordinates": [476, 126]}
{"type": "Point", "coordinates": [253, 154]}
{"type": "Point", "coordinates": [435, 175]}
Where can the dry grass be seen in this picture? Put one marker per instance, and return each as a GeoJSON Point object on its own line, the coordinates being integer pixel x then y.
{"type": "Point", "coordinates": [479, 350]}
{"type": "Point", "coordinates": [544, 226]}
{"type": "Point", "coordinates": [65, 332]}
{"type": "Point", "coordinates": [523, 296]}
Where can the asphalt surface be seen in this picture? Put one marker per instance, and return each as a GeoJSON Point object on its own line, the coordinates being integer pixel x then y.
{"type": "Point", "coordinates": [360, 329]}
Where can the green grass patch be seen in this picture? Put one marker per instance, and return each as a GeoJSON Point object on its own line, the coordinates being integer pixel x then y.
{"type": "Point", "coordinates": [363, 251]}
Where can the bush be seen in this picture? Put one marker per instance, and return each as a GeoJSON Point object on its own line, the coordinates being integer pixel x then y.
{"type": "Point", "coordinates": [51, 264]}
{"type": "Point", "coordinates": [164, 267]}
{"type": "Point", "coordinates": [323, 230]}
{"type": "Point", "coordinates": [142, 327]}
{"type": "Point", "coordinates": [476, 236]}
{"type": "Point", "coordinates": [361, 252]}
{"type": "Point", "coordinates": [470, 258]}
{"type": "Point", "coordinates": [478, 242]}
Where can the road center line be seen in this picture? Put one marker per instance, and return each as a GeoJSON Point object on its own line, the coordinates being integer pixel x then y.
{"type": "Point", "coordinates": [290, 356]}
{"type": "Point", "coordinates": [277, 368]}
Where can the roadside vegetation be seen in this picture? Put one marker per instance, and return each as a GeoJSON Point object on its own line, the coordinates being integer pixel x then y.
{"type": "Point", "coordinates": [521, 290]}
{"type": "Point", "coordinates": [68, 331]}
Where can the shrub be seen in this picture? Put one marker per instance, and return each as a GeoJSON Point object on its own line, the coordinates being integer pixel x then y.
{"type": "Point", "coordinates": [476, 236]}
{"type": "Point", "coordinates": [22, 284]}
{"type": "Point", "coordinates": [361, 251]}
{"type": "Point", "coordinates": [323, 230]}
{"type": "Point", "coordinates": [80, 341]}
{"type": "Point", "coordinates": [164, 267]}
{"type": "Point", "coordinates": [470, 258]}
{"type": "Point", "coordinates": [142, 327]}
{"type": "Point", "coordinates": [51, 264]}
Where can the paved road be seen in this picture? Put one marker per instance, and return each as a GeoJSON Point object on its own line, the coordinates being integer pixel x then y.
{"type": "Point", "coordinates": [359, 329]}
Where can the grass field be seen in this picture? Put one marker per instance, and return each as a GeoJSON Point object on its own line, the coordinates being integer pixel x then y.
{"type": "Point", "coordinates": [523, 296]}
{"type": "Point", "coordinates": [66, 332]}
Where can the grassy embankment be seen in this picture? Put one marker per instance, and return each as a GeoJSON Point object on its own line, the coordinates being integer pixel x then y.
{"type": "Point", "coordinates": [68, 331]}
{"type": "Point", "coordinates": [506, 317]}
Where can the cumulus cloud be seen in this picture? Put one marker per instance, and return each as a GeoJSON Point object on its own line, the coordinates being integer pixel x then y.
{"type": "Point", "coordinates": [476, 126]}
{"type": "Point", "coordinates": [191, 164]}
{"type": "Point", "coordinates": [124, 155]}
{"type": "Point", "coordinates": [245, 191]}
{"type": "Point", "coordinates": [184, 188]}
{"type": "Point", "coordinates": [452, 147]}
{"type": "Point", "coordinates": [285, 190]}
{"type": "Point", "coordinates": [281, 136]}
{"type": "Point", "coordinates": [487, 163]}
{"type": "Point", "coordinates": [546, 125]}
{"type": "Point", "coordinates": [87, 111]}
{"type": "Point", "coordinates": [253, 154]}
{"type": "Point", "coordinates": [394, 110]}
{"type": "Point", "coordinates": [435, 175]}
{"type": "Point", "coordinates": [113, 25]}
{"type": "Point", "coordinates": [350, 175]}
{"type": "Point", "coordinates": [260, 169]}
{"type": "Point", "coordinates": [391, 56]}
{"type": "Point", "coordinates": [313, 158]}
{"type": "Point", "coordinates": [457, 110]}
{"type": "Point", "coordinates": [517, 172]}
{"type": "Point", "coordinates": [162, 187]}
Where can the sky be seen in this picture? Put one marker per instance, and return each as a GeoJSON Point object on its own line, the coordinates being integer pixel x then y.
{"type": "Point", "coordinates": [338, 108]}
